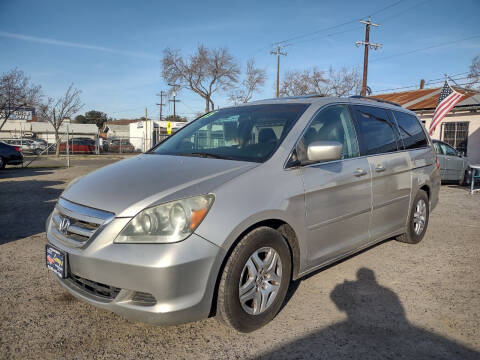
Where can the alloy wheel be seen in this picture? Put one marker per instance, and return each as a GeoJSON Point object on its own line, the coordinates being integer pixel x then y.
{"type": "Point", "coordinates": [260, 281]}
{"type": "Point", "coordinates": [419, 217]}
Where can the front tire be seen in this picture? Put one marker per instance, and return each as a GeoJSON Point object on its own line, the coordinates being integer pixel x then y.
{"type": "Point", "coordinates": [255, 280]}
{"type": "Point", "coordinates": [3, 163]}
{"type": "Point", "coordinates": [418, 219]}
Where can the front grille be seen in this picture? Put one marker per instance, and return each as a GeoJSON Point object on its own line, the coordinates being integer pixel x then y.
{"type": "Point", "coordinates": [75, 224]}
{"type": "Point", "coordinates": [96, 288]}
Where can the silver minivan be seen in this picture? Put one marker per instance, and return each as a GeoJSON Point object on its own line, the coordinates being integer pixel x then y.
{"type": "Point", "coordinates": [219, 218]}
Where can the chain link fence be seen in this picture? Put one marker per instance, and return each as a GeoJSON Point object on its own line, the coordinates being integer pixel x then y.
{"type": "Point", "coordinates": [84, 144]}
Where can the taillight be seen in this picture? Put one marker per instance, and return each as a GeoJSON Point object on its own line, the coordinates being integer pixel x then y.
{"type": "Point", "coordinates": [437, 164]}
{"type": "Point", "coordinates": [18, 149]}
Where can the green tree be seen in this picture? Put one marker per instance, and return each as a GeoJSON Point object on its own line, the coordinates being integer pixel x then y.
{"type": "Point", "coordinates": [80, 119]}
{"type": "Point", "coordinates": [96, 117]}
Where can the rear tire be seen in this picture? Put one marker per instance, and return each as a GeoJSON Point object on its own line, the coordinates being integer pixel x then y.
{"type": "Point", "coordinates": [268, 281]}
{"type": "Point", "coordinates": [418, 220]}
{"type": "Point", "coordinates": [465, 180]}
{"type": "Point", "coordinates": [2, 163]}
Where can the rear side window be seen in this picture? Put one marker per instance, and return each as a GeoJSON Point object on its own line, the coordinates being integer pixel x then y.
{"type": "Point", "coordinates": [375, 130]}
{"type": "Point", "coordinates": [411, 131]}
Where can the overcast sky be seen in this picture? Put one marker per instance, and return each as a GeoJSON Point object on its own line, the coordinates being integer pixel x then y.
{"type": "Point", "coordinates": [112, 50]}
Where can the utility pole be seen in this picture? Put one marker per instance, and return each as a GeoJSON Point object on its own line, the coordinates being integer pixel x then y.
{"type": "Point", "coordinates": [367, 45]}
{"type": "Point", "coordinates": [161, 94]}
{"type": "Point", "coordinates": [278, 53]}
{"type": "Point", "coordinates": [146, 130]}
{"type": "Point", "coordinates": [174, 100]}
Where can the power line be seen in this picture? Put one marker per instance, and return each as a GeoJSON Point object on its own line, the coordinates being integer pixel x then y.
{"type": "Point", "coordinates": [415, 6]}
{"type": "Point", "coordinates": [317, 34]}
{"type": "Point", "coordinates": [321, 37]}
{"type": "Point", "coordinates": [338, 25]}
{"type": "Point", "coordinates": [428, 82]}
{"type": "Point", "coordinates": [425, 48]}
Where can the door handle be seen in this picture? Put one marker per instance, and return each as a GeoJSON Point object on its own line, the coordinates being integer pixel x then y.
{"type": "Point", "coordinates": [359, 172]}
{"type": "Point", "coordinates": [379, 168]}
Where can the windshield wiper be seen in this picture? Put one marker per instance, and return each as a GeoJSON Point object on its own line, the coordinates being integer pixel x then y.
{"type": "Point", "coordinates": [206, 155]}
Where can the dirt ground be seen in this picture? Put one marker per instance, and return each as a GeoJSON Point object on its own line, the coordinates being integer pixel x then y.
{"type": "Point", "coordinates": [393, 301]}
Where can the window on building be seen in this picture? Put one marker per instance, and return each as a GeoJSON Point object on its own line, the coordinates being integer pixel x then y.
{"type": "Point", "coordinates": [456, 135]}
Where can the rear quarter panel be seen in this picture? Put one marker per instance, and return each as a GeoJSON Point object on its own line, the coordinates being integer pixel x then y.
{"type": "Point", "coordinates": [425, 172]}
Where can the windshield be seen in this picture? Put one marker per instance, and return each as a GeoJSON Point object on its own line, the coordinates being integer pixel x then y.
{"type": "Point", "coordinates": [246, 133]}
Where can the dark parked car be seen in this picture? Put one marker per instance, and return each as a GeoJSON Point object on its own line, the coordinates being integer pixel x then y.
{"type": "Point", "coordinates": [10, 155]}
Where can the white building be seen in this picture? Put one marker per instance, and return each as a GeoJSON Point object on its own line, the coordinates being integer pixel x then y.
{"type": "Point", "coordinates": [155, 131]}
{"type": "Point", "coordinates": [44, 130]}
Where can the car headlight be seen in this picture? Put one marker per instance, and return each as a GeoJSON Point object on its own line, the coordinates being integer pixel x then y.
{"type": "Point", "coordinates": [166, 223]}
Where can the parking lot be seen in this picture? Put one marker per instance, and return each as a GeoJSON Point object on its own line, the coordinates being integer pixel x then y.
{"type": "Point", "coordinates": [391, 301]}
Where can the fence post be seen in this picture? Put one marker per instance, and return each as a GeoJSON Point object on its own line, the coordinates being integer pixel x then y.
{"type": "Point", "coordinates": [68, 147]}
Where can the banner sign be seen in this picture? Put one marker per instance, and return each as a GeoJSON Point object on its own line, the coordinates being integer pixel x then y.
{"type": "Point", "coordinates": [18, 115]}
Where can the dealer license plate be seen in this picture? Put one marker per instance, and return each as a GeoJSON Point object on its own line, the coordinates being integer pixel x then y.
{"type": "Point", "coordinates": [56, 261]}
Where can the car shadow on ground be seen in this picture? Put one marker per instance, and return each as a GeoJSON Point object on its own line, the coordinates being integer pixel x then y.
{"type": "Point", "coordinates": [295, 284]}
{"type": "Point", "coordinates": [25, 205]}
{"type": "Point", "coordinates": [376, 328]}
{"type": "Point", "coordinates": [18, 172]}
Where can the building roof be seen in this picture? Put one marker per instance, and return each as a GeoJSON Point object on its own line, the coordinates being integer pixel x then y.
{"type": "Point", "coordinates": [121, 122]}
{"type": "Point", "coordinates": [426, 99]}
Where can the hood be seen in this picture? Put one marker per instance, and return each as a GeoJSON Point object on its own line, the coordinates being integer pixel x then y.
{"type": "Point", "coordinates": [128, 186]}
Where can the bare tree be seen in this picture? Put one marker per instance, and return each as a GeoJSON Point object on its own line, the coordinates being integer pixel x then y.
{"type": "Point", "coordinates": [306, 82]}
{"type": "Point", "coordinates": [55, 111]}
{"type": "Point", "coordinates": [16, 92]}
{"type": "Point", "coordinates": [342, 82]}
{"type": "Point", "coordinates": [254, 79]}
{"type": "Point", "coordinates": [205, 72]}
{"type": "Point", "coordinates": [474, 75]}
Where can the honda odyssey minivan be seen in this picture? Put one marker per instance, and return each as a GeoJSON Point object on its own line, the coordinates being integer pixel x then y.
{"type": "Point", "coordinates": [219, 218]}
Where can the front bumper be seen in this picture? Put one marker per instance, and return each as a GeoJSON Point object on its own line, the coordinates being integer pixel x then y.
{"type": "Point", "coordinates": [179, 277]}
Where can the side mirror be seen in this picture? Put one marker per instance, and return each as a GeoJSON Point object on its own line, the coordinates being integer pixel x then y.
{"type": "Point", "coordinates": [324, 151]}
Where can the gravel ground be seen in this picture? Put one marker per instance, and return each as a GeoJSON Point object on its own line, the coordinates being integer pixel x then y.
{"type": "Point", "coordinates": [391, 301]}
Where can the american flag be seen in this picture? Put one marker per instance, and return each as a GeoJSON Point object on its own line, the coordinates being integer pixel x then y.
{"type": "Point", "coordinates": [447, 100]}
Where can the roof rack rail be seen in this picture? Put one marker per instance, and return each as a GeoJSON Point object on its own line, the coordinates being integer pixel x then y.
{"type": "Point", "coordinates": [296, 97]}
{"type": "Point", "coordinates": [375, 99]}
